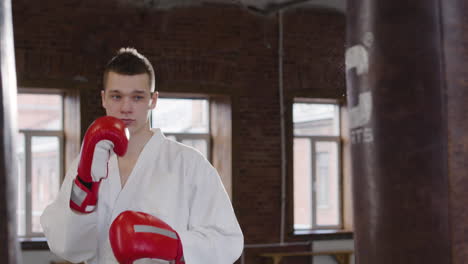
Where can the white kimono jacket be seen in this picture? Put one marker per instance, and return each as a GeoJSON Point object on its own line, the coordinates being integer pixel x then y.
{"type": "Point", "coordinates": [170, 181]}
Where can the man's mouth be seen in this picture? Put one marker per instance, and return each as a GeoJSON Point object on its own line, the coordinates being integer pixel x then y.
{"type": "Point", "coordinates": [127, 121]}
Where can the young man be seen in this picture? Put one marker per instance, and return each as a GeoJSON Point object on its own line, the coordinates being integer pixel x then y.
{"type": "Point", "coordinates": [168, 186]}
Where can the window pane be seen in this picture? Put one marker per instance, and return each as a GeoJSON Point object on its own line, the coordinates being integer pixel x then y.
{"type": "Point", "coordinates": [40, 111]}
{"type": "Point", "coordinates": [316, 119]}
{"type": "Point", "coordinates": [181, 115]}
{"type": "Point", "coordinates": [327, 185]}
{"type": "Point", "coordinates": [323, 170]}
{"type": "Point", "coordinates": [45, 175]}
{"type": "Point", "coordinates": [199, 144]}
{"type": "Point", "coordinates": [302, 184]}
{"type": "Point", "coordinates": [21, 206]}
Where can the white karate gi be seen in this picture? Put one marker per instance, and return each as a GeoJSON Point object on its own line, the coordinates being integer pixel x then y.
{"type": "Point", "coordinates": [170, 181]}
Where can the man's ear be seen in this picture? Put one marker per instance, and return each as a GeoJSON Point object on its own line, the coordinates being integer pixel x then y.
{"type": "Point", "coordinates": [103, 96]}
{"type": "Point", "coordinates": [154, 100]}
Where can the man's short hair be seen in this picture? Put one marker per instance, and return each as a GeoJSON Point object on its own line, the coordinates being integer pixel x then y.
{"type": "Point", "coordinates": [128, 61]}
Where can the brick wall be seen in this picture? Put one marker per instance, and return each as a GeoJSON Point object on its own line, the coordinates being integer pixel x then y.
{"type": "Point", "coordinates": [212, 49]}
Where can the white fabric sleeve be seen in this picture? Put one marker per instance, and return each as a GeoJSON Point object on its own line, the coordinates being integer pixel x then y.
{"type": "Point", "coordinates": [213, 235]}
{"type": "Point", "coordinates": [70, 235]}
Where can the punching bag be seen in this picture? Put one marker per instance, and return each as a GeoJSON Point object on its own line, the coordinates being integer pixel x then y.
{"type": "Point", "coordinates": [397, 87]}
{"type": "Point", "coordinates": [9, 247]}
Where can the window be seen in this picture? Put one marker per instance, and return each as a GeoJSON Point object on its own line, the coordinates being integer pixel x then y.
{"type": "Point", "coordinates": [40, 156]}
{"type": "Point", "coordinates": [203, 122]}
{"type": "Point", "coordinates": [316, 164]}
{"type": "Point", "coordinates": [184, 120]}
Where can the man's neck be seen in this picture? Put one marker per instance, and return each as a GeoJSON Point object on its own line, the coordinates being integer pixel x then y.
{"type": "Point", "coordinates": [137, 142]}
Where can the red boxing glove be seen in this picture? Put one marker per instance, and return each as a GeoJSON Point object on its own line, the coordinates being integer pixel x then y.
{"type": "Point", "coordinates": [137, 235]}
{"type": "Point", "coordinates": [104, 134]}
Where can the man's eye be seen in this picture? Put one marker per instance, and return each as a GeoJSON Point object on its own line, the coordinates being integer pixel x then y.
{"type": "Point", "coordinates": [138, 98]}
{"type": "Point", "coordinates": [115, 97]}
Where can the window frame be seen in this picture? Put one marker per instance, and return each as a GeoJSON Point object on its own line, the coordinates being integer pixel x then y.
{"type": "Point", "coordinates": [28, 135]}
{"type": "Point", "coordinates": [194, 136]}
{"type": "Point", "coordinates": [220, 144]}
{"type": "Point", "coordinates": [313, 141]}
{"type": "Point", "coordinates": [182, 136]}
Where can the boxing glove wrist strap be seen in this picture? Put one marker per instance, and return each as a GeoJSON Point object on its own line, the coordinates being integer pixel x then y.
{"type": "Point", "coordinates": [88, 185]}
{"type": "Point", "coordinates": [83, 196]}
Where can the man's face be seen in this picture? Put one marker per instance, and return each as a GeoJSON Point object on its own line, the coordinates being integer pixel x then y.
{"type": "Point", "coordinates": [128, 98]}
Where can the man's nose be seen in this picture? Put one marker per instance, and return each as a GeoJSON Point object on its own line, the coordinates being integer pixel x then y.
{"type": "Point", "coordinates": [126, 105]}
